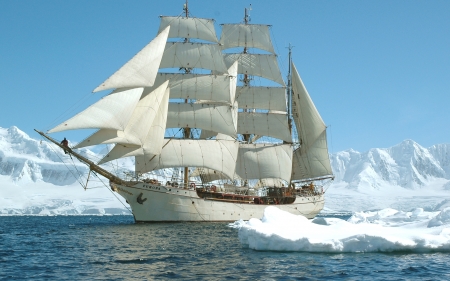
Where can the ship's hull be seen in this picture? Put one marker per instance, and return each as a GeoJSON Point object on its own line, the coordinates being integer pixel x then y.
{"type": "Point", "coordinates": [155, 203]}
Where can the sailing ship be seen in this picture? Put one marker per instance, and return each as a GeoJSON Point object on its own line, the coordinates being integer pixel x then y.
{"type": "Point", "coordinates": [208, 143]}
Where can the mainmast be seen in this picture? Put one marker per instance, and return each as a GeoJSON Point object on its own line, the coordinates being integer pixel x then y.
{"type": "Point", "coordinates": [246, 79]}
{"type": "Point", "coordinates": [186, 9]}
{"type": "Point", "coordinates": [187, 131]}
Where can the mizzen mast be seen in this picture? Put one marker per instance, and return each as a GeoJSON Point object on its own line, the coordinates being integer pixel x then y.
{"type": "Point", "coordinates": [289, 91]}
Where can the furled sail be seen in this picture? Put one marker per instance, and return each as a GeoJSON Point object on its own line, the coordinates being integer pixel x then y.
{"type": "Point", "coordinates": [136, 130]}
{"type": "Point", "coordinates": [219, 155]}
{"type": "Point", "coordinates": [193, 55]}
{"type": "Point", "coordinates": [246, 35]}
{"type": "Point", "coordinates": [271, 98]}
{"type": "Point", "coordinates": [111, 112]}
{"type": "Point", "coordinates": [181, 27]}
{"type": "Point", "coordinates": [311, 160]}
{"type": "Point", "coordinates": [141, 70]}
{"type": "Point", "coordinates": [257, 64]}
{"type": "Point", "coordinates": [265, 124]}
{"type": "Point", "coordinates": [259, 161]}
{"type": "Point", "coordinates": [213, 117]}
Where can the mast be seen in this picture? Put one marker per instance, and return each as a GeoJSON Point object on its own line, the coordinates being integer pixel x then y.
{"type": "Point", "coordinates": [186, 9]}
{"type": "Point", "coordinates": [187, 131]}
{"type": "Point", "coordinates": [289, 90]}
{"type": "Point", "coordinates": [246, 79]}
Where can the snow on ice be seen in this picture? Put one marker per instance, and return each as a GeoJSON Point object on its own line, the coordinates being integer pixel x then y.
{"type": "Point", "coordinates": [387, 230]}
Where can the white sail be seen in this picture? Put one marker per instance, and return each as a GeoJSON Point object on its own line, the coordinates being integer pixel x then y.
{"type": "Point", "coordinates": [219, 155]}
{"type": "Point", "coordinates": [256, 64]}
{"type": "Point", "coordinates": [270, 182]}
{"type": "Point", "coordinates": [233, 72]}
{"type": "Point", "coordinates": [205, 134]}
{"type": "Point", "coordinates": [212, 117]}
{"type": "Point", "coordinates": [193, 55]}
{"type": "Point", "coordinates": [220, 88]}
{"type": "Point", "coordinates": [311, 159]}
{"type": "Point", "coordinates": [271, 98]}
{"type": "Point", "coordinates": [264, 124]}
{"type": "Point", "coordinates": [208, 175]}
{"type": "Point", "coordinates": [136, 130]}
{"type": "Point", "coordinates": [181, 27]}
{"type": "Point", "coordinates": [111, 112]}
{"type": "Point", "coordinates": [141, 70]}
{"type": "Point", "coordinates": [208, 87]}
{"type": "Point", "coordinates": [246, 35]}
{"type": "Point", "coordinates": [153, 137]}
{"type": "Point", "coordinates": [259, 161]}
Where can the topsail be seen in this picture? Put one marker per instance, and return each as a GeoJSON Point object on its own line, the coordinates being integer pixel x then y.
{"type": "Point", "coordinates": [187, 101]}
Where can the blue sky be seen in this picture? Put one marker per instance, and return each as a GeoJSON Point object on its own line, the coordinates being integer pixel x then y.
{"type": "Point", "coordinates": [378, 71]}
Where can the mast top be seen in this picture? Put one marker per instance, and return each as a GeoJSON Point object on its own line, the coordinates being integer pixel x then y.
{"type": "Point", "coordinates": [186, 9]}
{"type": "Point", "coordinates": [247, 15]}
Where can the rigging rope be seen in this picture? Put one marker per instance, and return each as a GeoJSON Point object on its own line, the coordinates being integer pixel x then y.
{"type": "Point", "coordinates": [80, 176]}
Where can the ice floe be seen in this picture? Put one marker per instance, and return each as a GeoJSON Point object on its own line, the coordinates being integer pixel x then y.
{"type": "Point", "coordinates": [386, 230]}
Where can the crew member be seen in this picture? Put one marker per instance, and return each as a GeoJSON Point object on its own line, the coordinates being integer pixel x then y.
{"type": "Point", "coordinates": [65, 143]}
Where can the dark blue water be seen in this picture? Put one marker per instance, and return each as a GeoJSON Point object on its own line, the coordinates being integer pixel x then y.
{"type": "Point", "coordinates": [114, 248]}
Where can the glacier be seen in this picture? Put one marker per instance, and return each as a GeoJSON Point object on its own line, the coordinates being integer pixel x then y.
{"type": "Point", "coordinates": [37, 178]}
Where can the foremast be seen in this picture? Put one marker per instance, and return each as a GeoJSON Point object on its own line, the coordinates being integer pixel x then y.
{"type": "Point", "coordinates": [186, 130]}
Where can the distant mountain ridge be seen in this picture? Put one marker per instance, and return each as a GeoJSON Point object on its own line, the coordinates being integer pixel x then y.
{"type": "Point", "coordinates": [34, 179]}
{"type": "Point", "coordinates": [406, 165]}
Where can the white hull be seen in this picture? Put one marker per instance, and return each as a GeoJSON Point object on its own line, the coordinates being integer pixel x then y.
{"type": "Point", "coordinates": [169, 204]}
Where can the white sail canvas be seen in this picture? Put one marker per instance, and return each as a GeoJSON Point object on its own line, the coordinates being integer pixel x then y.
{"type": "Point", "coordinates": [141, 70]}
{"type": "Point", "coordinates": [181, 27]}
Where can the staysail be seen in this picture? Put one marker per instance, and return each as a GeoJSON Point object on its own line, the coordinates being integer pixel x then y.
{"type": "Point", "coordinates": [136, 130]}
{"type": "Point", "coordinates": [141, 70]}
{"type": "Point", "coordinates": [191, 86]}
{"type": "Point", "coordinates": [111, 112]}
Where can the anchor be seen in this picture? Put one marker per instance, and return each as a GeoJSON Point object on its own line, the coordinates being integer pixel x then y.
{"type": "Point", "coordinates": [140, 200]}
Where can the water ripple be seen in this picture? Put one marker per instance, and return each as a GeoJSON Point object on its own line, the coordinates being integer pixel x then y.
{"type": "Point", "coordinates": [114, 248]}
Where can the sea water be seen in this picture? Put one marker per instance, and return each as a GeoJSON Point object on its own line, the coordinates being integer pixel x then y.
{"type": "Point", "coordinates": [115, 248]}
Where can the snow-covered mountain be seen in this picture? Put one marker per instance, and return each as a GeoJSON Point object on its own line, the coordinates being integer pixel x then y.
{"type": "Point", "coordinates": [406, 165]}
{"type": "Point", "coordinates": [34, 179]}
{"type": "Point", "coordinates": [403, 177]}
